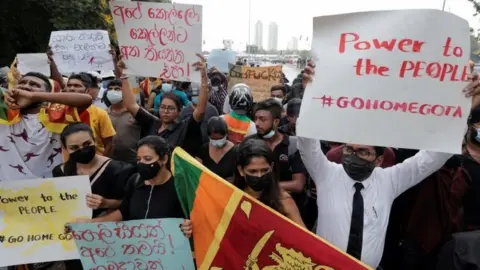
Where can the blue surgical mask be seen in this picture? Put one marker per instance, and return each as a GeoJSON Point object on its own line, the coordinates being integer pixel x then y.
{"type": "Point", "coordinates": [166, 87]}
{"type": "Point", "coordinates": [478, 135]}
{"type": "Point", "coordinates": [114, 97]}
{"type": "Point", "coordinates": [269, 135]}
{"type": "Point", "coordinates": [195, 100]}
{"type": "Point", "coordinates": [218, 143]}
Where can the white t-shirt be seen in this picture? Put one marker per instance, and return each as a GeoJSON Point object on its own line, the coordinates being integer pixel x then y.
{"type": "Point", "coordinates": [28, 150]}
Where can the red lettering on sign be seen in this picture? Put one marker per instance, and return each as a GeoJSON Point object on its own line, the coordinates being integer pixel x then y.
{"type": "Point", "coordinates": [404, 45]}
{"type": "Point", "coordinates": [414, 107]}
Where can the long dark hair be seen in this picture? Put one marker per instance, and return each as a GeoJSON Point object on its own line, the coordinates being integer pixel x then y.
{"type": "Point", "coordinates": [248, 150]}
{"type": "Point", "coordinates": [69, 167]}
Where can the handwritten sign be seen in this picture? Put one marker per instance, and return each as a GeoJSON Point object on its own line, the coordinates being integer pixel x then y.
{"type": "Point", "coordinates": [159, 40]}
{"type": "Point", "coordinates": [81, 50]}
{"type": "Point", "coordinates": [136, 244]}
{"type": "Point", "coordinates": [33, 62]}
{"type": "Point", "coordinates": [385, 83]}
{"type": "Point", "coordinates": [33, 214]}
{"type": "Point", "coordinates": [259, 79]}
{"type": "Point", "coordinates": [220, 59]}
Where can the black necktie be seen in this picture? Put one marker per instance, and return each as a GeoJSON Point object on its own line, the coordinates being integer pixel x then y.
{"type": "Point", "coordinates": [354, 247]}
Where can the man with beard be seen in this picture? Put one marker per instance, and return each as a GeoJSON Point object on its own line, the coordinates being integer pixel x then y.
{"type": "Point", "coordinates": [354, 199]}
{"type": "Point", "coordinates": [288, 163]}
{"type": "Point", "coordinates": [30, 146]}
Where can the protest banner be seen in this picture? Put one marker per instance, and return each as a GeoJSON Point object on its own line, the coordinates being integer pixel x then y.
{"type": "Point", "coordinates": [33, 214]}
{"type": "Point", "coordinates": [259, 79]}
{"type": "Point", "coordinates": [159, 40]}
{"type": "Point", "coordinates": [232, 230]}
{"type": "Point", "coordinates": [33, 62]}
{"type": "Point", "coordinates": [136, 244]}
{"type": "Point", "coordinates": [381, 81]}
{"type": "Point", "coordinates": [81, 50]}
{"type": "Point", "coordinates": [220, 59]}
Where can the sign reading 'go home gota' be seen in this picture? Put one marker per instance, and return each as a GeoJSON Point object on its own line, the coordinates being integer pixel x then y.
{"type": "Point", "coordinates": [33, 214]}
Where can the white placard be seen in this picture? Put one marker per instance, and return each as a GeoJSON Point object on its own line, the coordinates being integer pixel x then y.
{"type": "Point", "coordinates": [81, 50]}
{"type": "Point", "coordinates": [159, 40]}
{"type": "Point", "coordinates": [33, 62]}
{"type": "Point", "coordinates": [33, 214]}
{"type": "Point", "coordinates": [385, 78]}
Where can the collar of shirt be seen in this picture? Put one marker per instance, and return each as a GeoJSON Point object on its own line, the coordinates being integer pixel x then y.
{"type": "Point", "coordinates": [174, 125]}
{"type": "Point", "coordinates": [366, 183]}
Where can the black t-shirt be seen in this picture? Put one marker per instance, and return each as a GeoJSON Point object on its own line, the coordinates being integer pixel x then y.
{"type": "Point", "coordinates": [226, 167]}
{"type": "Point", "coordinates": [471, 200]}
{"type": "Point", "coordinates": [164, 202]}
{"type": "Point", "coordinates": [110, 184]}
{"type": "Point", "coordinates": [185, 133]}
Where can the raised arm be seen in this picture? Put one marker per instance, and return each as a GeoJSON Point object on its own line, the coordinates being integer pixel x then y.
{"type": "Point", "coordinates": [129, 99]}
{"type": "Point", "coordinates": [413, 170]}
{"type": "Point", "coordinates": [314, 160]}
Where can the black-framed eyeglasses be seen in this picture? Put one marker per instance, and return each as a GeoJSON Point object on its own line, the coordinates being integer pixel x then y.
{"type": "Point", "coordinates": [361, 153]}
{"type": "Point", "coordinates": [168, 108]}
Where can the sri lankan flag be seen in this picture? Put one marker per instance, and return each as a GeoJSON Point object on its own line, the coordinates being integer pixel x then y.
{"type": "Point", "coordinates": [232, 230]}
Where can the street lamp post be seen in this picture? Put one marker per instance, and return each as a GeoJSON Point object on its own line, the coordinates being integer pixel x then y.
{"type": "Point", "coordinates": [249, 26]}
{"type": "Point", "coordinates": [443, 7]}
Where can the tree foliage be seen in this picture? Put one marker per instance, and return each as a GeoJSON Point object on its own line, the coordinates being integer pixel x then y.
{"type": "Point", "coordinates": [26, 24]}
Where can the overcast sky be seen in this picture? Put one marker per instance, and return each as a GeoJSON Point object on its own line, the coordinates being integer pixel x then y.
{"type": "Point", "coordinates": [228, 19]}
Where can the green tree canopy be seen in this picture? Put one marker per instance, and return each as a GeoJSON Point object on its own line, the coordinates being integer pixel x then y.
{"type": "Point", "coordinates": [26, 24]}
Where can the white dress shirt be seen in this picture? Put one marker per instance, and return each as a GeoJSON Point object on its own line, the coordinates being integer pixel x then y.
{"type": "Point", "coordinates": [335, 195]}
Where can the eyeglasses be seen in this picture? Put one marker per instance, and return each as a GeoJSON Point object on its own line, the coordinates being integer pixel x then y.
{"type": "Point", "coordinates": [168, 108]}
{"type": "Point", "coordinates": [361, 153]}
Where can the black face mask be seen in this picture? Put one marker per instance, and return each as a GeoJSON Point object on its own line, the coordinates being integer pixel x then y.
{"type": "Point", "coordinates": [258, 183]}
{"type": "Point", "coordinates": [84, 155]}
{"type": "Point", "coordinates": [358, 169]}
{"type": "Point", "coordinates": [148, 171]}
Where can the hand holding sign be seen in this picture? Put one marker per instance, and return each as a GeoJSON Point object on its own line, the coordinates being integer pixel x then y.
{"type": "Point", "coordinates": [409, 79]}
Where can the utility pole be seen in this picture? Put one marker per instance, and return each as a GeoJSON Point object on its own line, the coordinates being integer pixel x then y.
{"type": "Point", "coordinates": [249, 26]}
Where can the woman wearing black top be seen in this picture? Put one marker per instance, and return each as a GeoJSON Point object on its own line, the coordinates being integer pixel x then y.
{"type": "Point", "coordinates": [150, 193]}
{"type": "Point", "coordinates": [177, 132]}
{"type": "Point", "coordinates": [107, 176]}
{"type": "Point", "coordinates": [219, 155]}
{"type": "Point", "coordinates": [255, 177]}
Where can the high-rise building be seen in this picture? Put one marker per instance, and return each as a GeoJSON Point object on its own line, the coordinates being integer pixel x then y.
{"type": "Point", "coordinates": [259, 34]}
{"type": "Point", "coordinates": [293, 44]}
{"type": "Point", "coordinates": [273, 36]}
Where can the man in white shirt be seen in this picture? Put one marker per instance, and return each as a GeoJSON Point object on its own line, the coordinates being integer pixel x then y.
{"type": "Point", "coordinates": [359, 190]}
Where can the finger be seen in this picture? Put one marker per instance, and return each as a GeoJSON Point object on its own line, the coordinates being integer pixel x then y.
{"type": "Point", "coordinates": [471, 86]}
{"type": "Point", "coordinates": [202, 58]}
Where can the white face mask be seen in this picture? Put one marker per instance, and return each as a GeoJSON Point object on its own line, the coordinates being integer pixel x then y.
{"type": "Point", "coordinates": [114, 97]}
{"type": "Point", "coordinates": [279, 100]}
{"type": "Point", "coordinates": [218, 143]}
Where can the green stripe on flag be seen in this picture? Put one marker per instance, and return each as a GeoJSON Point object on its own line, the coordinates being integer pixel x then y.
{"type": "Point", "coordinates": [187, 177]}
{"type": "Point", "coordinates": [3, 109]}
